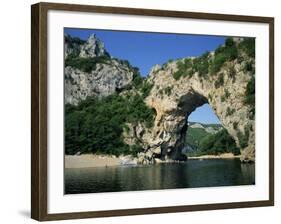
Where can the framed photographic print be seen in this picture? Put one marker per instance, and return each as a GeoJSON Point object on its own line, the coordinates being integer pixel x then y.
{"type": "Point", "coordinates": [139, 111]}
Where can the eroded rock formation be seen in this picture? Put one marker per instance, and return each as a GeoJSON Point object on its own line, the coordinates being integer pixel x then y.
{"type": "Point", "coordinates": [173, 99]}
{"type": "Point", "coordinates": [189, 93]}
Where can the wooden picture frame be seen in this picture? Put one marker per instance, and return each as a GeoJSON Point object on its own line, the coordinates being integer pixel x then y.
{"type": "Point", "coordinates": [39, 110]}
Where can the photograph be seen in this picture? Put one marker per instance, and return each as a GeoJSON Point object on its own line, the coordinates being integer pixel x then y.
{"type": "Point", "coordinates": [155, 111]}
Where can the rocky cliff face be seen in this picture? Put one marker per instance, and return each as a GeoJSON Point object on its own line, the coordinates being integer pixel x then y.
{"type": "Point", "coordinates": [175, 99]}
{"type": "Point", "coordinates": [219, 78]}
{"type": "Point", "coordinates": [93, 47]}
{"type": "Point", "coordinates": [76, 47]}
{"type": "Point", "coordinates": [106, 75]}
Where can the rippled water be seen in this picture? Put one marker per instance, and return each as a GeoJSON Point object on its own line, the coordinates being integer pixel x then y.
{"type": "Point", "coordinates": [191, 174]}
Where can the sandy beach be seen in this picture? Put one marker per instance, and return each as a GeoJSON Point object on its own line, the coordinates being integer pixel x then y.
{"type": "Point", "coordinates": [90, 160]}
{"type": "Point", "coordinates": [221, 156]}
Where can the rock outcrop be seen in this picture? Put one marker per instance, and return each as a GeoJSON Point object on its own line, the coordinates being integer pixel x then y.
{"type": "Point", "coordinates": [93, 47]}
{"type": "Point", "coordinates": [173, 99]}
{"type": "Point", "coordinates": [108, 76]}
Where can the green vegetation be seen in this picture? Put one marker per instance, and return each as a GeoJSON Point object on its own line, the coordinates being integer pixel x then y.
{"type": "Point", "coordinates": [194, 136]}
{"type": "Point", "coordinates": [244, 137]}
{"type": "Point", "coordinates": [224, 53]}
{"type": "Point", "coordinates": [139, 83]}
{"type": "Point", "coordinates": [249, 67]}
{"type": "Point", "coordinates": [230, 111]}
{"type": "Point", "coordinates": [248, 45]}
{"type": "Point", "coordinates": [170, 60]}
{"type": "Point", "coordinates": [210, 144]}
{"type": "Point", "coordinates": [73, 43]}
{"type": "Point", "coordinates": [187, 67]}
{"type": "Point", "coordinates": [145, 88]}
{"type": "Point", "coordinates": [232, 73]}
{"type": "Point", "coordinates": [218, 143]}
{"type": "Point", "coordinates": [168, 90]}
{"type": "Point", "coordinates": [217, 63]}
{"type": "Point", "coordinates": [135, 149]}
{"type": "Point", "coordinates": [96, 125]}
{"type": "Point", "coordinates": [226, 93]}
{"type": "Point", "coordinates": [205, 143]}
{"type": "Point", "coordinates": [137, 80]}
{"type": "Point", "coordinates": [164, 66]}
{"type": "Point", "coordinates": [177, 75]}
{"type": "Point", "coordinates": [184, 69]}
{"type": "Point", "coordinates": [220, 80]}
{"type": "Point", "coordinates": [74, 40]}
{"type": "Point", "coordinates": [235, 125]}
{"type": "Point", "coordinates": [201, 64]}
{"type": "Point", "coordinates": [85, 64]}
{"type": "Point", "coordinates": [250, 95]}
{"type": "Point", "coordinates": [227, 52]}
{"type": "Point", "coordinates": [210, 97]}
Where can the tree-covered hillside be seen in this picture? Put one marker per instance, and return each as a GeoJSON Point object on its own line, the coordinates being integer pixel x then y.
{"type": "Point", "coordinates": [95, 125]}
{"type": "Point", "coordinates": [202, 142]}
{"type": "Point", "coordinates": [194, 136]}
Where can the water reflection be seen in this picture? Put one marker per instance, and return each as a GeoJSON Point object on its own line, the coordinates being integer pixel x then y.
{"type": "Point", "coordinates": [194, 173]}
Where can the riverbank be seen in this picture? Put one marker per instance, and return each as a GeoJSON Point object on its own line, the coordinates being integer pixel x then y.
{"type": "Point", "coordinates": [221, 156]}
{"type": "Point", "coordinates": [90, 160]}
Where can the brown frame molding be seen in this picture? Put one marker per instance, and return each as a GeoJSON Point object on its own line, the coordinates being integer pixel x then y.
{"type": "Point", "coordinates": [39, 110]}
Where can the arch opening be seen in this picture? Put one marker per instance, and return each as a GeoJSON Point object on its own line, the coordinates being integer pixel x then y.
{"type": "Point", "coordinates": [205, 135]}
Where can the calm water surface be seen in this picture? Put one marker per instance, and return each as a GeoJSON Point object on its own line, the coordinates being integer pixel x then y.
{"type": "Point", "coordinates": [191, 174]}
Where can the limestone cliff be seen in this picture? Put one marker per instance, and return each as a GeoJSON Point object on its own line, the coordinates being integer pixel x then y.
{"type": "Point", "coordinates": [93, 47]}
{"type": "Point", "coordinates": [90, 71]}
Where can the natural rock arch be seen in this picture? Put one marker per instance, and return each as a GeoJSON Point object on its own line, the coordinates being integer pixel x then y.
{"type": "Point", "coordinates": [174, 100]}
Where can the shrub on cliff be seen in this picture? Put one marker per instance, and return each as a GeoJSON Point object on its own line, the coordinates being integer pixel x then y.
{"type": "Point", "coordinates": [201, 64]}
{"type": "Point", "coordinates": [250, 96]}
{"type": "Point", "coordinates": [224, 53]}
{"type": "Point", "coordinates": [248, 45]}
{"type": "Point", "coordinates": [184, 69]}
{"type": "Point", "coordinates": [85, 64]}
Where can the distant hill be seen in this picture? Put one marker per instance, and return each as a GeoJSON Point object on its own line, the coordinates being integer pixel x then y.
{"type": "Point", "coordinates": [208, 139]}
{"type": "Point", "coordinates": [197, 131]}
{"type": "Point", "coordinates": [210, 128]}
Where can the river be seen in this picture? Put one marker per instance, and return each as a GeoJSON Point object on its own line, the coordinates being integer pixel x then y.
{"type": "Point", "coordinates": [191, 174]}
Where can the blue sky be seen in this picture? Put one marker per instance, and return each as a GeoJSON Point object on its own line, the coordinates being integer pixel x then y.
{"type": "Point", "coordinates": [144, 50]}
{"type": "Point", "coordinates": [204, 114]}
